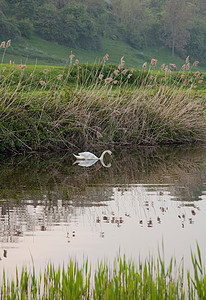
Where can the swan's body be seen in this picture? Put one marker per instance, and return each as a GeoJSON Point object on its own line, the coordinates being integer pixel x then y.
{"type": "Point", "coordinates": [91, 156]}
{"type": "Point", "coordinates": [85, 163]}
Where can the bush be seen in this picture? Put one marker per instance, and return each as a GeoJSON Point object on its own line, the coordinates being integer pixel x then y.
{"type": "Point", "coordinates": [26, 27]}
{"type": "Point", "coordinates": [8, 27]}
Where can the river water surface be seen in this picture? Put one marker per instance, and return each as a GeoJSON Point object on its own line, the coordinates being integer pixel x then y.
{"type": "Point", "coordinates": [147, 199]}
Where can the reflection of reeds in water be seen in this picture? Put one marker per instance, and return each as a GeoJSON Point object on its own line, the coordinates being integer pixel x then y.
{"type": "Point", "coordinates": [182, 172]}
{"type": "Point", "coordinates": [58, 189]}
{"type": "Point", "coordinates": [140, 165]}
{"type": "Point", "coordinates": [38, 175]}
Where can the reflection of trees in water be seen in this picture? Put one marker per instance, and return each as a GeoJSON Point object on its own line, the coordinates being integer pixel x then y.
{"type": "Point", "coordinates": [38, 191]}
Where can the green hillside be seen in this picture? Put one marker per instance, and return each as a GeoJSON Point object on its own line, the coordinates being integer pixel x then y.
{"type": "Point", "coordinates": [41, 52]}
{"type": "Point", "coordinates": [44, 32]}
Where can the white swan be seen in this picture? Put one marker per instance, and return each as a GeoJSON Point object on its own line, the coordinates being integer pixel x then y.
{"type": "Point", "coordinates": [91, 156]}
{"type": "Point", "coordinates": [85, 163]}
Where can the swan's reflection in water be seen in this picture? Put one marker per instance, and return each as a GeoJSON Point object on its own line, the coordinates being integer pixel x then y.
{"type": "Point", "coordinates": [52, 209]}
{"type": "Point", "coordinates": [89, 163]}
{"type": "Point", "coordinates": [87, 159]}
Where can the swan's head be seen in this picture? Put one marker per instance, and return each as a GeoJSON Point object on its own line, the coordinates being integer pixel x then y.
{"type": "Point", "coordinates": [102, 160]}
{"type": "Point", "coordinates": [109, 152]}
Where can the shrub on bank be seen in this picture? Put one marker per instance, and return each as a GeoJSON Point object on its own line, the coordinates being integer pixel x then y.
{"type": "Point", "coordinates": [89, 74]}
{"type": "Point", "coordinates": [59, 108]}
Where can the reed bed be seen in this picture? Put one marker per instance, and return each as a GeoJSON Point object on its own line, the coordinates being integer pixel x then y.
{"type": "Point", "coordinates": [98, 105]}
{"type": "Point", "coordinates": [150, 279]}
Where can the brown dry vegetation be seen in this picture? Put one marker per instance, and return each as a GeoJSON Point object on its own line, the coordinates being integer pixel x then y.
{"type": "Point", "coordinates": [90, 106]}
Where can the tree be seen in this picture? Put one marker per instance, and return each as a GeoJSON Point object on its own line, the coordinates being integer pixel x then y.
{"type": "Point", "coordinates": [8, 27]}
{"type": "Point", "coordinates": [176, 24]}
{"type": "Point", "coordinates": [197, 44]}
{"type": "Point", "coordinates": [3, 6]}
{"type": "Point", "coordinates": [77, 28]}
{"type": "Point", "coordinates": [46, 22]}
{"type": "Point", "coordinates": [58, 3]}
{"type": "Point", "coordinates": [136, 19]}
{"type": "Point", "coordinates": [26, 27]}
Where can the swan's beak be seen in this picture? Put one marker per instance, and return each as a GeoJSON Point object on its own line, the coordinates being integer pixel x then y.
{"type": "Point", "coordinates": [111, 155]}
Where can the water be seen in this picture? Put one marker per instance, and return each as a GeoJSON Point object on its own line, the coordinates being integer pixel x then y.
{"type": "Point", "coordinates": [148, 199]}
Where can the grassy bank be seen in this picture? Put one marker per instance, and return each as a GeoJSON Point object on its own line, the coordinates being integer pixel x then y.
{"type": "Point", "coordinates": [86, 105]}
{"type": "Point", "coordinates": [150, 279]}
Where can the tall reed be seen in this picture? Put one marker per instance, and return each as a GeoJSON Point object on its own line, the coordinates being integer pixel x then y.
{"type": "Point", "coordinates": [80, 108]}
{"type": "Point", "coordinates": [149, 279]}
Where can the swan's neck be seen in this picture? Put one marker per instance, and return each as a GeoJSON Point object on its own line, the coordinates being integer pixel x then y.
{"type": "Point", "coordinates": [103, 153]}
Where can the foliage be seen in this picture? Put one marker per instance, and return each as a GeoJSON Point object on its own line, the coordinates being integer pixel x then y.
{"type": "Point", "coordinates": [8, 27]}
{"type": "Point", "coordinates": [149, 279]}
{"type": "Point", "coordinates": [46, 23]}
{"type": "Point", "coordinates": [177, 24]}
{"type": "Point", "coordinates": [197, 40]}
{"type": "Point", "coordinates": [136, 18]}
{"type": "Point", "coordinates": [26, 27]}
{"type": "Point", "coordinates": [76, 27]}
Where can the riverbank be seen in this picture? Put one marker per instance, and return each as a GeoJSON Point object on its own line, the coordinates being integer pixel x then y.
{"type": "Point", "coordinates": [78, 107]}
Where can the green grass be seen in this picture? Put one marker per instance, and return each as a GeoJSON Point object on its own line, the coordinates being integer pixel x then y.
{"type": "Point", "coordinates": [37, 50]}
{"type": "Point", "coordinates": [38, 111]}
{"type": "Point", "coordinates": [149, 279]}
{"type": "Point", "coordinates": [87, 74]}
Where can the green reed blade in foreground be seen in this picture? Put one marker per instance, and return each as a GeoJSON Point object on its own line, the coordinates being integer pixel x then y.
{"type": "Point", "coordinates": [149, 279]}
